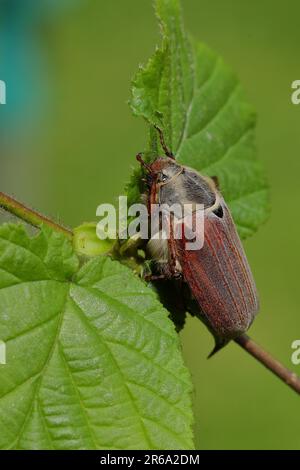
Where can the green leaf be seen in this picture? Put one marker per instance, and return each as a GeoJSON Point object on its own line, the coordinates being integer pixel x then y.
{"type": "Point", "coordinates": [93, 362]}
{"type": "Point", "coordinates": [188, 91]}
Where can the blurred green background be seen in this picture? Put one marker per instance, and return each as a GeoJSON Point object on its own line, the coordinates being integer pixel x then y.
{"type": "Point", "coordinates": [68, 143]}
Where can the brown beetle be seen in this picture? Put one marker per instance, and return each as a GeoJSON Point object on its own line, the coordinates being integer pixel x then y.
{"type": "Point", "coordinates": [218, 275]}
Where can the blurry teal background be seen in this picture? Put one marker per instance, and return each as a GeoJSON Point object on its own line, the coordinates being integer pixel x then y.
{"type": "Point", "coordinates": [69, 141]}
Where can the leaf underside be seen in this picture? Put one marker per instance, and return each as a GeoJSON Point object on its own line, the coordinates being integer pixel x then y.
{"type": "Point", "coordinates": [93, 361]}
{"type": "Point", "coordinates": [188, 91]}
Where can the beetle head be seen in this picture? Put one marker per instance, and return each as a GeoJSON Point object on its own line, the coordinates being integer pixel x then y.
{"type": "Point", "coordinates": [162, 170]}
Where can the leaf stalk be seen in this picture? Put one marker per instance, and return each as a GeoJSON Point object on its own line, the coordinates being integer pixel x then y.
{"type": "Point", "coordinates": [256, 351]}
{"type": "Point", "coordinates": [31, 216]}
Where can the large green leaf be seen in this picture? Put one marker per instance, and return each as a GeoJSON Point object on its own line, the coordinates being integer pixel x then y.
{"type": "Point", "coordinates": [93, 362]}
{"type": "Point", "coordinates": [188, 91]}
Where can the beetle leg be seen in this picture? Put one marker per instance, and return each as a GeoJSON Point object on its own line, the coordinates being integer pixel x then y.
{"type": "Point", "coordinates": [151, 277]}
{"type": "Point", "coordinates": [163, 143]}
{"type": "Point", "coordinates": [175, 273]}
{"type": "Point", "coordinates": [139, 158]}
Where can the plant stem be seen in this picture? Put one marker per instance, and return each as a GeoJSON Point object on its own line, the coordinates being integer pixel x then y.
{"type": "Point", "coordinates": [30, 216]}
{"type": "Point", "coordinates": [287, 376]}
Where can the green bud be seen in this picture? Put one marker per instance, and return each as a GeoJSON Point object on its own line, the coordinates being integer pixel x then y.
{"type": "Point", "coordinates": [86, 242]}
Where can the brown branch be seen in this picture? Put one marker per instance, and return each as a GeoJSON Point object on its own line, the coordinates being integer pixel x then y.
{"type": "Point", "coordinates": [287, 376]}
{"type": "Point", "coordinates": [30, 216]}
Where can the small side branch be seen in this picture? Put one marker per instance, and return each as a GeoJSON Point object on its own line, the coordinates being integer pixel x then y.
{"type": "Point", "coordinates": [30, 216]}
{"type": "Point", "coordinates": [287, 376]}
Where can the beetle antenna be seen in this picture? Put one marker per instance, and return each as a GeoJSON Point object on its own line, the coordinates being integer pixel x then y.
{"type": "Point", "coordinates": [163, 143]}
{"type": "Point", "coordinates": [147, 167]}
